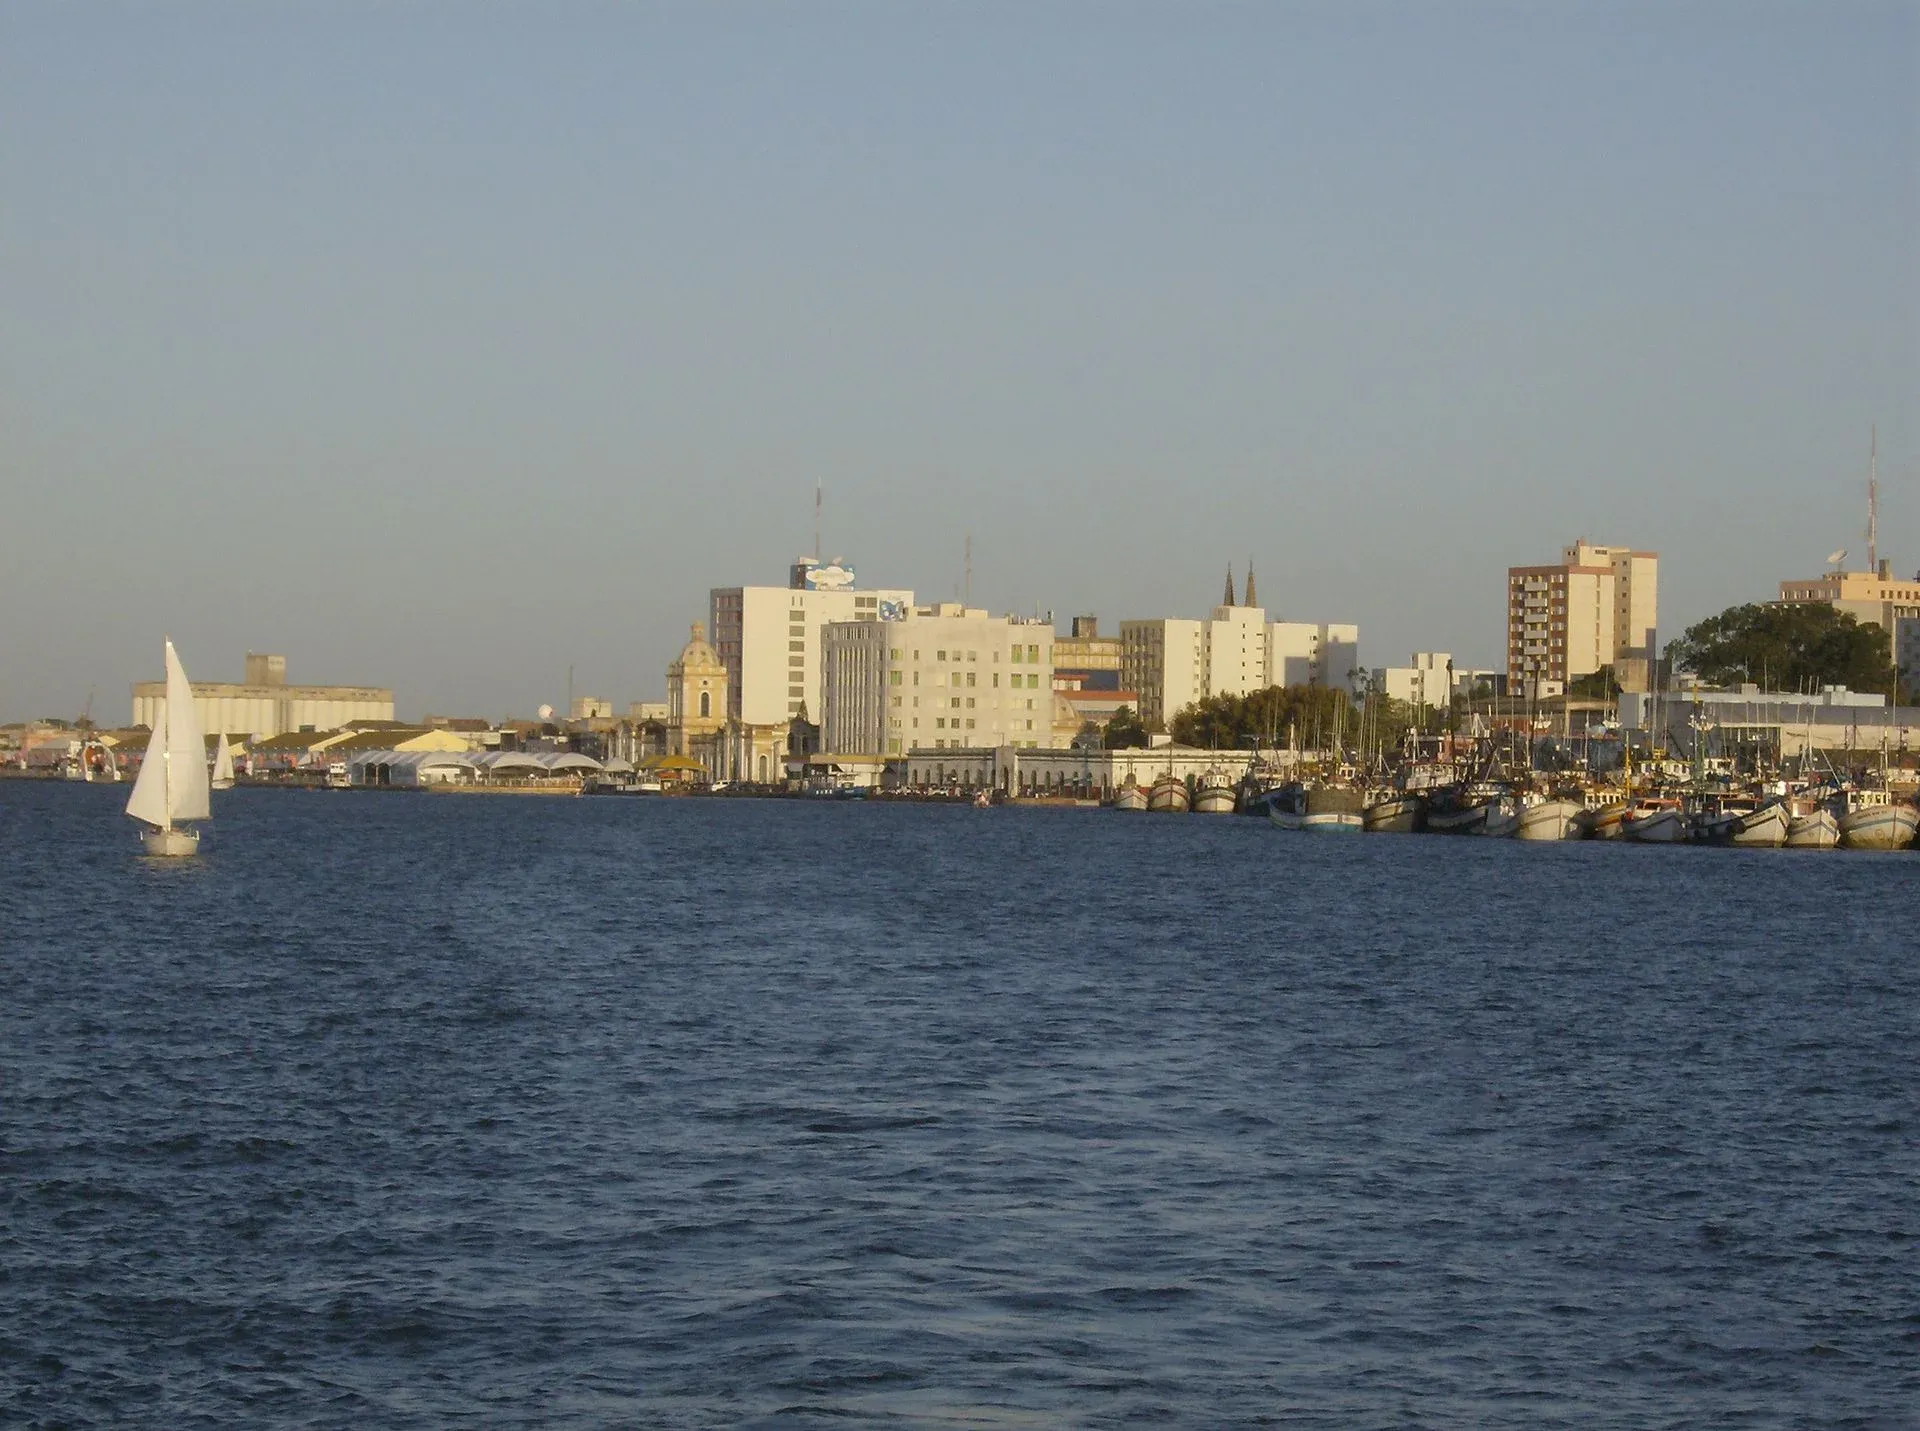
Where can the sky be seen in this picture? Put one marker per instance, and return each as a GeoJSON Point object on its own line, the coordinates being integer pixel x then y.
{"type": "Point", "coordinates": [455, 347]}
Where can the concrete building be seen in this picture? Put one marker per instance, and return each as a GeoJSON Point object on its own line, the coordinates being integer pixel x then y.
{"type": "Point", "coordinates": [1174, 662]}
{"type": "Point", "coordinates": [768, 638]}
{"type": "Point", "coordinates": [1874, 598]}
{"type": "Point", "coordinates": [1090, 661]}
{"type": "Point", "coordinates": [1426, 681]}
{"type": "Point", "coordinates": [696, 701]}
{"type": "Point", "coordinates": [944, 676]}
{"type": "Point", "coordinates": [264, 705]}
{"type": "Point", "coordinates": [1598, 607]}
{"type": "Point", "coordinates": [1788, 724]}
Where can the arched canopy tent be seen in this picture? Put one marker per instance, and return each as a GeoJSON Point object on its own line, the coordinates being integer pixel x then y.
{"type": "Point", "coordinates": [409, 768]}
{"type": "Point", "coordinates": [535, 764]}
{"type": "Point", "coordinates": [614, 765]}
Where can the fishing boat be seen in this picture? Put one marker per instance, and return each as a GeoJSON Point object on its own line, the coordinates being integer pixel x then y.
{"type": "Point", "coordinates": [1655, 820]}
{"type": "Point", "coordinates": [1129, 797]}
{"type": "Point", "coordinates": [1327, 809]}
{"type": "Point", "coordinates": [1476, 809]}
{"type": "Point", "coordinates": [982, 800]}
{"type": "Point", "coordinates": [1214, 794]}
{"type": "Point", "coordinates": [1168, 796]}
{"type": "Point", "coordinates": [1811, 822]}
{"type": "Point", "coordinates": [171, 790]}
{"type": "Point", "coordinates": [1394, 812]}
{"type": "Point", "coordinates": [1874, 820]}
{"type": "Point", "coordinates": [1742, 822]}
{"type": "Point", "coordinates": [222, 763]}
{"type": "Point", "coordinates": [1549, 817]}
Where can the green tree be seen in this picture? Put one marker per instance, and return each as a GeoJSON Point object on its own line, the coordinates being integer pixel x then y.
{"type": "Point", "coordinates": [1786, 648]}
{"type": "Point", "coordinates": [1316, 714]}
{"type": "Point", "coordinates": [1124, 731]}
{"type": "Point", "coordinates": [1594, 686]}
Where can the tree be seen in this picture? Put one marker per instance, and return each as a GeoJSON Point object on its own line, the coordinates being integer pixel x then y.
{"type": "Point", "coordinates": [1316, 713]}
{"type": "Point", "coordinates": [1124, 731]}
{"type": "Point", "coordinates": [1786, 648]}
{"type": "Point", "coordinates": [1594, 686]}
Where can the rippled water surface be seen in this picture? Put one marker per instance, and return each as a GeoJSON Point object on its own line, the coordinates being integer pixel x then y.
{"type": "Point", "coordinates": [409, 1110]}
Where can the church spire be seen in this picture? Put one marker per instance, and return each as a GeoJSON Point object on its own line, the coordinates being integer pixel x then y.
{"type": "Point", "coordinates": [1230, 601]}
{"type": "Point", "coordinates": [1250, 600]}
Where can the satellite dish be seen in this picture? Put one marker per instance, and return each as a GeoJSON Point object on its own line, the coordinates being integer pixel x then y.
{"type": "Point", "coordinates": [546, 713]}
{"type": "Point", "coordinates": [1837, 557]}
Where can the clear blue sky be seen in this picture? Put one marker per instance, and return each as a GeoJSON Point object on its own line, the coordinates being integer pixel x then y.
{"type": "Point", "coordinates": [446, 346]}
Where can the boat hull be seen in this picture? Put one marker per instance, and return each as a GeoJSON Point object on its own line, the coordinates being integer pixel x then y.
{"type": "Point", "coordinates": [1324, 822]}
{"type": "Point", "coordinates": [1550, 820]}
{"type": "Point", "coordinates": [1130, 797]}
{"type": "Point", "coordinates": [1215, 800]}
{"type": "Point", "coordinates": [1603, 822]}
{"type": "Point", "coordinates": [1764, 829]}
{"type": "Point", "coordinates": [170, 844]}
{"type": "Point", "coordinates": [1168, 797]}
{"type": "Point", "coordinates": [1816, 830]}
{"type": "Point", "coordinates": [1657, 827]}
{"type": "Point", "coordinates": [1880, 827]}
{"type": "Point", "coordinates": [1398, 815]}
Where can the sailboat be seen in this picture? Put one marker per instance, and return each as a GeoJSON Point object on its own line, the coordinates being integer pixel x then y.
{"type": "Point", "coordinates": [172, 787]}
{"type": "Point", "coordinates": [222, 763]}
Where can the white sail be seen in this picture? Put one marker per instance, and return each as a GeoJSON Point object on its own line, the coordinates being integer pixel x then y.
{"type": "Point", "coordinates": [187, 797]}
{"type": "Point", "coordinates": [222, 763]}
{"type": "Point", "coordinates": [148, 801]}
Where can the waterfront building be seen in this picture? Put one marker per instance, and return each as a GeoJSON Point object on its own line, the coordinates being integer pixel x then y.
{"type": "Point", "coordinates": [944, 676]}
{"type": "Point", "coordinates": [1086, 660]}
{"type": "Point", "coordinates": [696, 701]}
{"type": "Point", "coordinates": [1426, 681]}
{"type": "Point", "coordinates": [1874, 598]}
{"type": "Point", "coordinates": [264, 705]}
{"type": "Point", "coordinates": [1599, 606]}
{"type": "Point", "coordinates": [1174, 662]}
{"type": "Point", "coordinates": [768, 637]}
{"type": "Point", "coordinates": [1780, 721]}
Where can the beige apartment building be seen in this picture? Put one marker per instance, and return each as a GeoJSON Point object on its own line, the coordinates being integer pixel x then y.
{"type": "Point", "coordinates": [264, 705]}
{"type": "Point", "coordinates": [1173, 662]}
{"type": "Point", "coordinates": [1877, 598]}
{"type": "Point", "coordinates": [1598, 607]}
{"type": "Point", "coordinates": [942, 677]}
{"type": "Point", "coordinates": [768, 638]}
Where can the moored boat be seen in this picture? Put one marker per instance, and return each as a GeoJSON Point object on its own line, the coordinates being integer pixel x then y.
{"type": "Point", "coordinates": [1549, 818]}
{"type": "Point", "coordinates": [1394, 813]}
{"type": "Point", "coordinates": [1655, 821]}
{"type": "Point", "coordinates": [1873, 820]}
{"type": "Point", "coordinates": [1214, 794]}
{"type": "Point", "coordinates": [1326, 809]}
{"type": "Point", "coordinates": [1602, 820]}
{"type": "Point", "coordinates": [1478, 809]}
{"type": "Point", "coordinates": [1129, 797]}
{"type": "Point", "coordinates": [1168, 796]}
{"type": "Point", "coordinates": [1814, 828]}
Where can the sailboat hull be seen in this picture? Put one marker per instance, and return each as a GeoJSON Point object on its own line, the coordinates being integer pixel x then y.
{"type": "Point", "coordinates": [171, 844]}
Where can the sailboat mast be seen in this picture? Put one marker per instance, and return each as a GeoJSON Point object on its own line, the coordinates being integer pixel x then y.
{"type": "Point", "coordinates": [1873, 501]}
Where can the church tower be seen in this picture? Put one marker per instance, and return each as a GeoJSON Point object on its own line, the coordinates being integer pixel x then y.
{"type": "Point", "coordinates": [1250, 597]}
{"type": "Point", "coordinates": [696, 698]}
{"type": "Point", "coordinates": [1229, 601]}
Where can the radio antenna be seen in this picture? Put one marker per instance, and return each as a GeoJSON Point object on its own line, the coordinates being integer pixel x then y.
{"type": "Point", "coordinates": [816, 522]}
{"type": "Point", "coordinates": [1873, 502]}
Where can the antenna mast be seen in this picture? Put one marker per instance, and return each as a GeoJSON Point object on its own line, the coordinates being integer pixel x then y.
{"type": "Point", "coordinates": [968, 588]}
{"type": "Point", "coordinates": [1873, 502]}
{"type": "Point", "coordinates": [816, 522]}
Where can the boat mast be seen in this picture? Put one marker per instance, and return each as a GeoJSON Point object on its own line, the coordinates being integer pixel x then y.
{"type": "Point", "coordinates": [1873, 501]}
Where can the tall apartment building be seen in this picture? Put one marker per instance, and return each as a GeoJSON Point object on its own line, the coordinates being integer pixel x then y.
{"type": "Point", "coordinates": [1598, 607]}
{"type": "Point", "coordinates": [945, 676]}
{"type": "Point", "coordinates": [1173, 662]}
{"type": "Point", "coordinates": [768, 639]}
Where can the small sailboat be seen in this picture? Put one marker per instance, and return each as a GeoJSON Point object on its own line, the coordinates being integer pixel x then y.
{"type": "Point", "coordinates": [222, 763]}
{"type": "Point", "coordinates": [172, 787]}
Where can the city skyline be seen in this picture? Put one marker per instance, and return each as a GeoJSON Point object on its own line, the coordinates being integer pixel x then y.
{"type": "Point", "coordinates": [447, 352]}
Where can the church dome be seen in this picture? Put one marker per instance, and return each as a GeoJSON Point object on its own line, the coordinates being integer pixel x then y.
{"type": "Point", "coordinates": [697, 655]}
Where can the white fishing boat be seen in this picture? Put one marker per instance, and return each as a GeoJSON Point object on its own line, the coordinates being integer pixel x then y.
{"type": "Point", "coordinates": [1394, 813]}
{"type": "Point", "coordinates": [1549, 818]}
{"type": "Point", "coordinates": [1324, 809]}
{"type": "Point", "coordinates": [1215, 794]}
{"type": "Point", "coordinates": [222, 763]}
{"type": "Point", "coordinates": [1812, 826]}
{"type": "Point", "coordinates": [1874, 820]}
{"type": "Point", "coordinates": [1130, 797]}
{"type": "Point", "coordinates": [1655, 821]}
{"type": "Point", "coordinates": [172, 787]}
{"type": "Point", "coordinates": [1168, 796]}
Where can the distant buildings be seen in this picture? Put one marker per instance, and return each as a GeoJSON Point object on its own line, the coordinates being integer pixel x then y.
{"type": "Point", "coordinates": [944, 676]}
{"type": "Point", "coordinates": [1598, 607]}
{"type": "Point", "coordinates": [1876, 598]}
{"type": "Point", "coordinates": [768, 637]}
{"type": "Point", "coordinates": [1175, 662]}
{"type": "Point", "coordinates": [264, 704]}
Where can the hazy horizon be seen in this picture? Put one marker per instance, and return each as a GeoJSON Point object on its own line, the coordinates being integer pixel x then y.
{"type": "Point", "coordinates": [444, 348]}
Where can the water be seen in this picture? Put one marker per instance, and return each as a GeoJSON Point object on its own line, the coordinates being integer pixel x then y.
{"type": "Point", "coordinates": [403, 1110]}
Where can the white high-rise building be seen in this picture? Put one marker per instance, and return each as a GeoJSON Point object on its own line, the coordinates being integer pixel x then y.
{"type": "Point", "coordinates": [768, 639]}
{"type": "Point", "coordinates": [1174, 663]}
{"type": "Point", "coordinates": [942, 677]}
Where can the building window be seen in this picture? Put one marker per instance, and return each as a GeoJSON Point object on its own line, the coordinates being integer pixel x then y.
{"type": "Point", "coordinates": [894, 678]}
{"type": "Point", "coordinates": [969, 702]}
{"type": "Point", "coordinates": [969, 723]}
{"type": "Point", "coordinates": [1033, 653]}
{"type": "Point", "coordinates": [706, 704]}
{"type": "Point", "coordinates": [796, 645]}
{"type": "Point", "coordinates": [970, 675]}
{"type": "Point", "coordinates": [939, 655]}
{"type": "Point", "coordinates": [1015, 657]}
{"type": "Point", "coordinates": [996, 680]}
{"type": "Point", "coordinates": [940, 722]}
{"type": "Point", "coordinates": [796, 690]}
